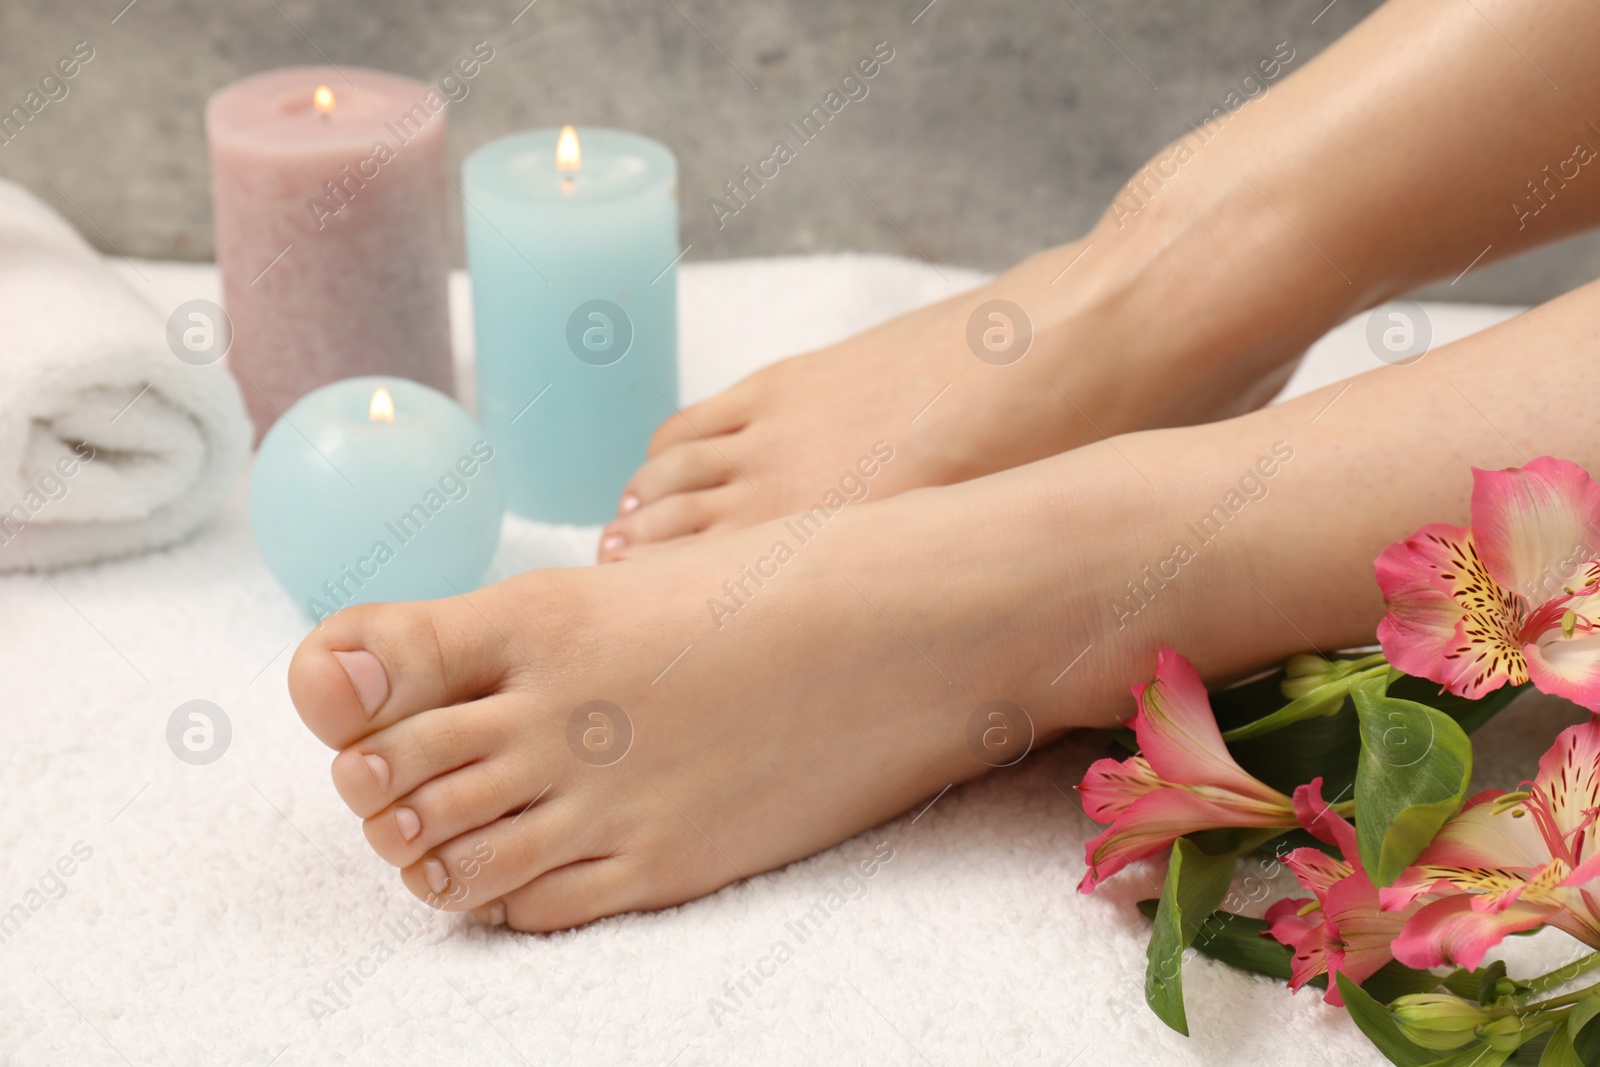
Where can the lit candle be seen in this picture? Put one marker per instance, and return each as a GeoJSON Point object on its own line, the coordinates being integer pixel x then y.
{"type": "Point", "coordinates": [572, 241]}
{"type": "Point", "coordinates": [329, 202]}
{"type": "Point", "coordinates": [376, 489]}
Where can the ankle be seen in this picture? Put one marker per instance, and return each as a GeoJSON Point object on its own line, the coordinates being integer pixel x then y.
{"type": "Point", "coordinates": [1208, 289]}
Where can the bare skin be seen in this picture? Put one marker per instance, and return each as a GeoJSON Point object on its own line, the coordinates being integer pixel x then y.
{"type": "Point", "coordinates": [840, 688]}
{"type": "Point", "coordinates": [1357, 178]}
{"type": "Point", "coordinates": [745, 756]}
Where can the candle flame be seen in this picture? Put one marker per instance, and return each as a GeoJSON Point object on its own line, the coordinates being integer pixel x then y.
{"type": "Point", "coordinates": [323, 99]}
{"type": "Point", "coordinates": [382, 407]}
{"type": "Point", "coordinates": [569, 157]}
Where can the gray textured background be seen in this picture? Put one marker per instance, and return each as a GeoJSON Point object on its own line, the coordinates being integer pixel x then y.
{"type": "Point", "coordinates": [999, 127]}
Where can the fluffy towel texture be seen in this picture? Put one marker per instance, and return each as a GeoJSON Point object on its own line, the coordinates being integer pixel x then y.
{"type": "Point", "coordinates": [233, 913]}
{"type": "Point", "coordinates": [85, 372]}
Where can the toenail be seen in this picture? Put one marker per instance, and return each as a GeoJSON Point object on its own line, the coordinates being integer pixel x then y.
{"type": "Point", "coordinates": [379, 768]}
{"type": "Point", "coordinates": [630, 502]}
{"type": "Point", "coordinates": [497, 914]}
{"type": "Point", "coordinates": [433, 871]}
{"type": "Point", "coordinates": [410, 825]}
{"type": "Point", "coordinates": [613, 543]}
{"type": "Point", "coordinates": [366, 674]}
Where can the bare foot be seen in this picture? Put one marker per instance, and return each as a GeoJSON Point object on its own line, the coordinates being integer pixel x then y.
{"type": "Point", "coordinates": [1059, 352]}
{"type": "Point", "coordinates": [572, 744]}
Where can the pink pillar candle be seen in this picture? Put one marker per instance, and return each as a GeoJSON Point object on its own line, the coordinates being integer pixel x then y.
{"type": "Point", "coordinates": [328, 192]}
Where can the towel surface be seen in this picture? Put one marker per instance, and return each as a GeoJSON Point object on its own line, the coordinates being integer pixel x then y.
{"type": "Point", "coordinates": [232, 912]}
{"type": "Point", "coordinates": [109, 443]}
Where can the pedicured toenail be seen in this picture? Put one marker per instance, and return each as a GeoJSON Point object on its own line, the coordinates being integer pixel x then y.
{"type": "Point", "coordinates": [434, 872]}
{"type": "Point", "coordinates": [410, 825]}
{"type": "Point", "coordinates": [379, 768]}
{"type": "Point", "coordinates": [366, 674]}
{"type": "Point", "coordinates": [629, 504]}
{"type": "Point", "coordinates": [497, 914]}
{"type": "Point", "coordinates": [613, 543]}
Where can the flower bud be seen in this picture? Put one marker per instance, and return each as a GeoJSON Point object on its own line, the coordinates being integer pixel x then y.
{"type": "Point", "coordinates": [1510, 1032]}
{"type": "Point", "coordinates": [1306, 672]}
{"type": "Point", "coordinates": [1440, 1021]}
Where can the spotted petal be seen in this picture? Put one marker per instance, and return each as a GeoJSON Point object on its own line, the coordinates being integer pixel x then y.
{"type": "Point", "coordinates": [1304, 934]}
{"type": "Point", "coordinates": [1488, 849]}
{"type": "Point", "coordinates": [1111, 786]}
{"type": "Point", "coordinates": [1316, 870]}
{"type": "Point", "coordinates": [1359, 933]}
{"type": "Point", "coordinates": [1448, 620]}
{"type": "Point", "coordinates": [1566, 793]}
{"type": "Point", "coordinates": [1536, 525]}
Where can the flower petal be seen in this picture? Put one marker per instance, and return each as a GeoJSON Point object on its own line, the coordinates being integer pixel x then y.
{"type": "Point", "coordinates": [1536, 525]}
{"type": "Point", "coordinates": [1315, 870]}
{"type": "Point", "coordinates": [1111, 786]}
{"type": "Point", "coordinates": [1178, 733]}
{"type": "Point", "coordinates": [1566, 792]}
{"type": "Point", "coordinates": [1488, 849]}
{"type": "Point", "coordinates": [1494, 829]}
{"type": "Point", "coordinates": [1566, 667]}
{"type": "Point", "coordinates": [1155, 820]}
{"type": "Point", "coordinates": [1447, 620]}
{"type": "Point", "coordinates": [1323, 823]}
{"type": "Point", "coordinates": [1453, 931]}
{"type": "Point", "coordinates": [1304, 934]}
{"type": "Point", "coordinates": [1287, 925]}
{"type": "Point", "coordinates": [1359, 933]}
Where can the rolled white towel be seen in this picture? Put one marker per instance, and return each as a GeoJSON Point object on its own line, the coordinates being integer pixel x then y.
{"type": "Point", "coordinates": [109, 444]}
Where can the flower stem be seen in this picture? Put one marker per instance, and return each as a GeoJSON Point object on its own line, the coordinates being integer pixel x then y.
{"type": "Point", "coordinates": [1561, 976]}
{"type": "Point", "coordinates": [1312, 704]}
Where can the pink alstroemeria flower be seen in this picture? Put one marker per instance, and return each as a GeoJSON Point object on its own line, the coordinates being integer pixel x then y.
{"type": "Point", "coordinates": [1513, 597]}
{"type": "Point", "coordinates": [1182, 781]}
{"type": "Point", "coordinates": [1509, 862]}
{"type": "Point", "coordinates": [1345, 929]}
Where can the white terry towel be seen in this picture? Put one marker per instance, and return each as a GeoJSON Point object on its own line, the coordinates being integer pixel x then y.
{"type": "Point", "coordinates": [109, 444]}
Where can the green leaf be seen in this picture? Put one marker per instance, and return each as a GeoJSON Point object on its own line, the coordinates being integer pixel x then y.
{"type": "Point", "coordinates": [1413, 773]}
{"type": "Point", "coordinates": [1242, 942]}
{"type": "Point", "coordinates": [1381, 1029]}
{"type": "Point", "coordinates": [1474, 1055]}
{"type": "Point", "coordinates": [1394, 980]}
{"type": "Point", "coordinates": [1559, 1052]}
{"type": "Point", "coordinates": [1195, 885]}
{"type": "Point", "coordinates": [1581, 1039]}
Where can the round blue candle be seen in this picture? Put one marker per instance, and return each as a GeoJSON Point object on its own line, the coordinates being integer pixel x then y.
{"type": "Point", "coordinates": [376, 489]}
{"type": "Point", "coordinates": [574, 292]}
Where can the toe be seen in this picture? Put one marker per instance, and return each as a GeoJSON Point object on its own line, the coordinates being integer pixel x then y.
{"type": "Point", "coordinates": [491, 914]}
{"type": "Point", "coordinates": [675, 516]}
{"type": "Point", "coordinates": [478, 867]}
{"type": "Point", "coordinates": [570, 896]}
{"type": "Point", "coordinates": [379, 769]}
{"type": "Point", "coordinates": [372, 665]}
{"type": "Point", "coordinates": [443, 809]}
{"type": "Point", "coordinates": [726, 412]}
{"type": "Point", "coordinates": [695, 464]}
{"type": "Point", "coordinates": [646, 548]}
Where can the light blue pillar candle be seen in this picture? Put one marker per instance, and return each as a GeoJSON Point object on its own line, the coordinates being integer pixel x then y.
{"type": "Point", "coordinates": [376, 489]}
{"type": "Point", "coordinates": [574, 291]}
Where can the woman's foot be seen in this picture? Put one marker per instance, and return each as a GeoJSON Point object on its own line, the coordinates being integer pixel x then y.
{"type": "Point", "coordinates": [1061, 351]}
{"type": "Point", "coordinates": [572, 744]}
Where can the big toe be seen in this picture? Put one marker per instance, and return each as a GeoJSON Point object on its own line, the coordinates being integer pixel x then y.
{"type": "Point", "coordinates": [375, 664]}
